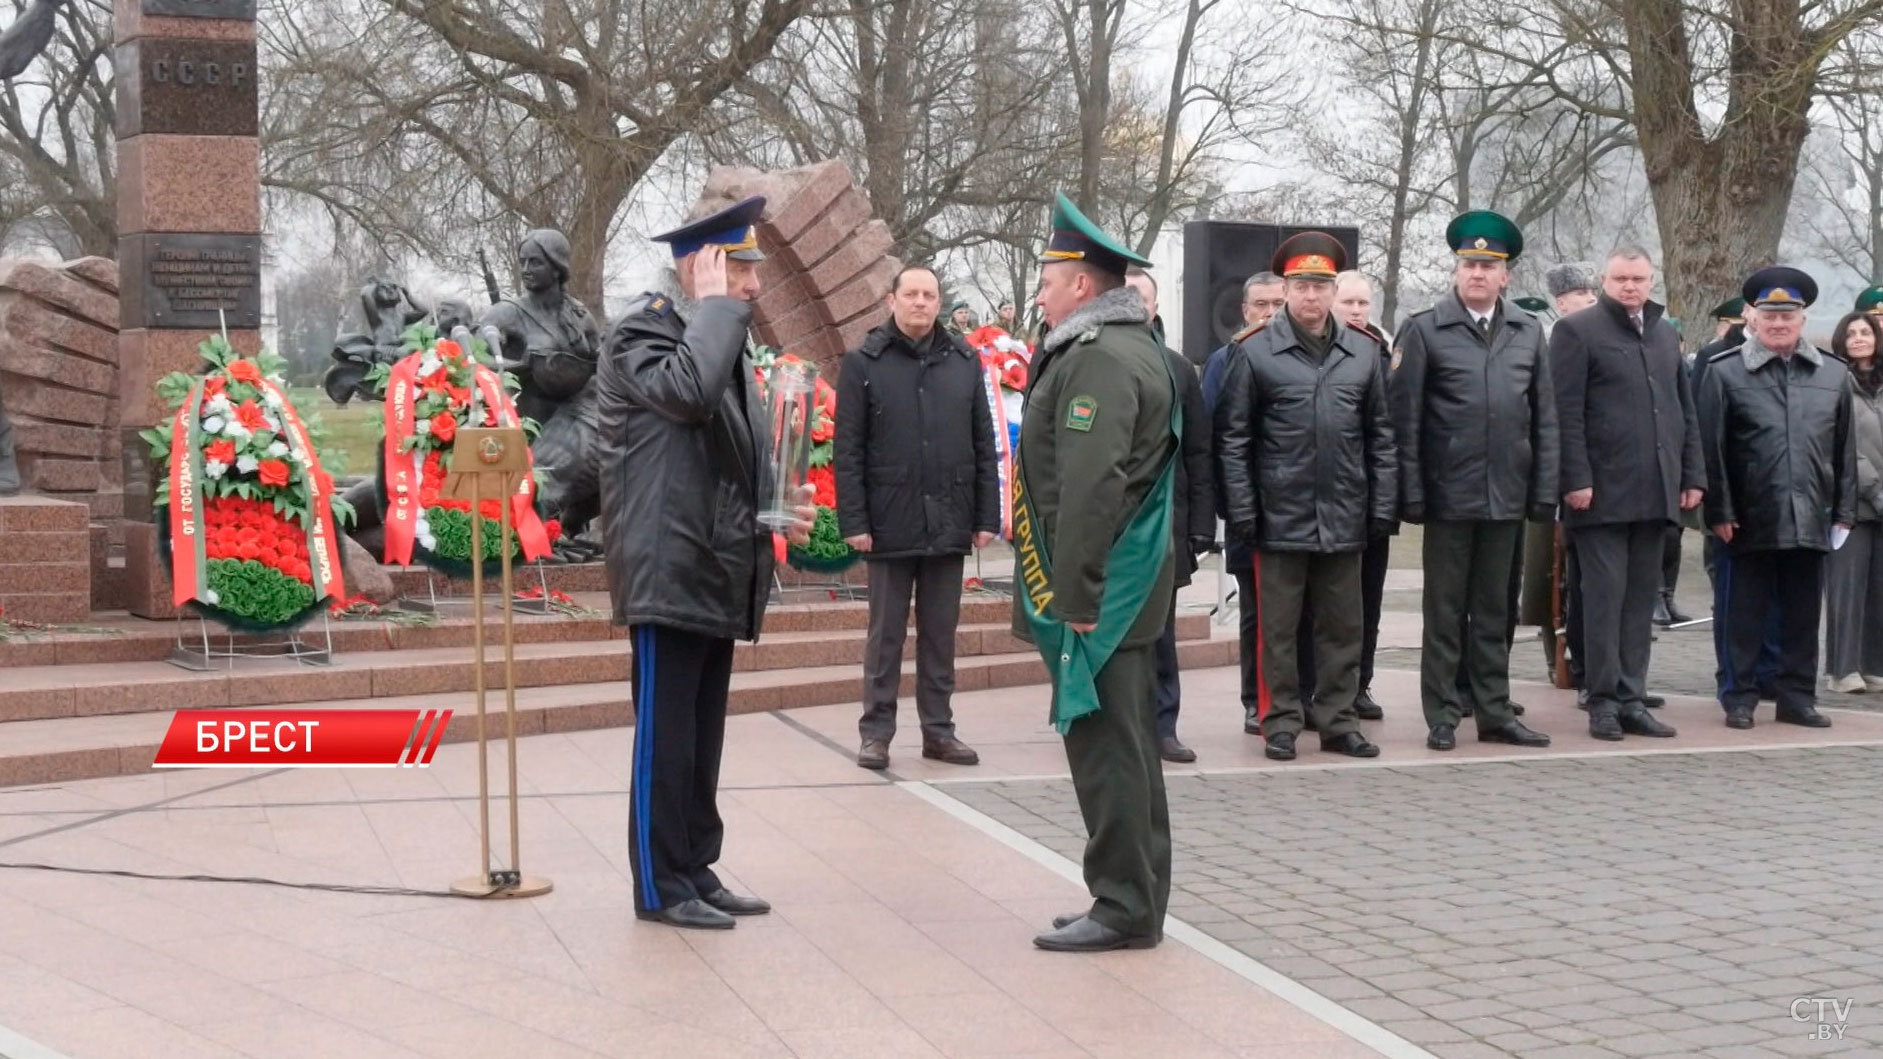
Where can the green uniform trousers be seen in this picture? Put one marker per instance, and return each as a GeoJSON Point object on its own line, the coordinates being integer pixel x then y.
{"type": "Point", "coordinates": [1120, 782]}
{"type": "Point", "coordinates": [1468, 568]}
{"type": "Point", "coordinates": [1329, 583]}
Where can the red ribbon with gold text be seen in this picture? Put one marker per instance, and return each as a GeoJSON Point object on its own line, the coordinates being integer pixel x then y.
{"type": "Point", "coordinates": [531, 534]}
{"type": "Point", "coordinates": [189, 568]}
{"type": "Point", "coordinates": [402, 485]}
{"type": "Point", "coordinates": [322, 544]}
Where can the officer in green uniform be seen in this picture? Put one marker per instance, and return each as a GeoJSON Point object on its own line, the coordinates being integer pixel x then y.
{"type": "Point", "coordinates": [1870, 301]}
{"type": "Point", "coordinates": [1095, 571]}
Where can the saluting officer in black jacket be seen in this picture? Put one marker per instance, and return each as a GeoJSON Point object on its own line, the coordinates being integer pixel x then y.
{"type": "Point", "coordinates": [1475, 417]}
{"type": "Point", "coordinates": [686, 458]}
{"type": "Point", "coordinates": [1781, 492]}
{"type": "Point", "coordinates": [1307, 471]}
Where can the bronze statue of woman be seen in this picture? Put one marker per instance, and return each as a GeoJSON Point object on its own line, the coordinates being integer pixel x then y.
{"type": "Point", "coordinates": [550, 340]}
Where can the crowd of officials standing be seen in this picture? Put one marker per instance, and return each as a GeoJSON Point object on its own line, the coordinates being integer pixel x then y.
{"type": "Point", "coordinates": [1313, 437]}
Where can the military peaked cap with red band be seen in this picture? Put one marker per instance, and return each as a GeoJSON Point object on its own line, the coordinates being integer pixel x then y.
{"type": "Point", "coordinates": [1309, 254]}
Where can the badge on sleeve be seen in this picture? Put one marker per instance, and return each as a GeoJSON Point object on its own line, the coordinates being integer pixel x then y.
{"type": "Point", "coordinates": [1081, 412]}
{"type": "Point", "coordinates": [1398, 355]}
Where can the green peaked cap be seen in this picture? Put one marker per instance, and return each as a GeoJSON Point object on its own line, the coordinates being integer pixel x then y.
{"type": "Point", "coordinates": [1533, 305]}
{"type": "Point", "coordinates": [1076, 238]}
{"type": "Point", "coordinates": [1871, 300]}
{"type": "Point", "coordinates": [1484, 235]}
{"type": "Point", "coordinates": [1732, 309]}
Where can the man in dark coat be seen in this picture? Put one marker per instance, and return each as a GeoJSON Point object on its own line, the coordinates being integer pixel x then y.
{"type": "Point", "coordinates": [1353, 304]}
{"type": "Point", "coordinates": [1261, 300]}
{"type": "Point", "coordinates": [686, 459]}
{"type": "Point", "coordinates": [1475, 418]}
{"type": "Point", "coordinates": [1192, 519]}
{"type": "Point", "coordinates": [1775, 424]}
{"type": "Point", "coordinates": [1306, 467]}
{"type": "Point", "coordinates": [1630, 465]}
{"type": "Point", "coordinates": [917, 487]}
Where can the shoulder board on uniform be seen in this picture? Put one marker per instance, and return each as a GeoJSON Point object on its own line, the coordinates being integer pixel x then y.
{"type": "Point", "coordinates": [1725, 354]}
{"type": "Point", "coordinates": [1090, 334]}
{"type": "Point", "coordinates": [657, 305]}
{"type": "Point", "coordinates": [1248, 331]}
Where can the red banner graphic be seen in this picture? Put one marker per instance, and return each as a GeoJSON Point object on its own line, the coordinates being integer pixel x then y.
{"type": "Point", "coordinates": [302, 738]}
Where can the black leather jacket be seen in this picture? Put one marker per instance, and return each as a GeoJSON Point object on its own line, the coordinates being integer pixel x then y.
{"type": "Point", "coordinates": [1304, 449]}
{"type": "Point", "coordinates": [1780, 459]}
{"type": "Point", "coordinates": [1476, 420]}
{"type": "Point", "coordinates": [686, 464]}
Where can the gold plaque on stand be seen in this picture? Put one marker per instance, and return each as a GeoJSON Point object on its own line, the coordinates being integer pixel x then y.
{"type": "Point", "coordinates": [490, 462]}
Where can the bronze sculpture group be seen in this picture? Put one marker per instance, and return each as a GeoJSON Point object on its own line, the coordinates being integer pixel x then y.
{"type": "Point", "coordinates": [544, 337]}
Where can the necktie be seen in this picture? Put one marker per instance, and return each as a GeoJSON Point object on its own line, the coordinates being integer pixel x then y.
{"type": "Point", "coordinates": [1639, 325]}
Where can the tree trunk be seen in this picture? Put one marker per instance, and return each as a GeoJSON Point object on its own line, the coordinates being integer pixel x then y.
{"type": "Point", "coordinates": [1720, 201]}
{"type": "Point", "coordinates": [1409, 121]}
{"type": "Point", "coordinates": [1095, 105]}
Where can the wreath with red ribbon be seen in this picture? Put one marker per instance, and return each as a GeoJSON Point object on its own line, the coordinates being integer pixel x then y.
{"type": "Point", "coordinates": [250, 519]}
{"type": "Point", "coordinates": [438, 387]}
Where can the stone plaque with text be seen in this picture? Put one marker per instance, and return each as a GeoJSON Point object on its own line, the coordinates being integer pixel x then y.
{"type": "Point", "coordinates": [190, 87]}
{"type": "Point", "coordinates": [242, 9]}
{"type": "Point", "coordinates": [196, 282]}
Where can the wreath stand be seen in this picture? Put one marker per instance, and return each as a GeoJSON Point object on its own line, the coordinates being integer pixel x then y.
{"type": "Point", "coordinates": [433, 603]}
{"type": "Point", "coordinates": [493, 458]}
{"type": "Point", "coordinates": [200, 652]}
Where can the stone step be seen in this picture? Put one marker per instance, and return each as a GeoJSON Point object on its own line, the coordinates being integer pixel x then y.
{"type": "Point", "coordinates": [123, 638]}
{"type": "Point", "coordinates": [50, 691]}
{"type": "Point", "coordinates": [64, 749]}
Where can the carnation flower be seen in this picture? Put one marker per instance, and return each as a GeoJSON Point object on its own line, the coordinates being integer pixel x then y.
{"type": "Point", "coordinates": [213, 425]}
{"type": "Point", "coordinates": [245, 463]}
{"type": "Point", "coordinates": [423, 426]}
{"type": "Point", "coordinates": [277, 449]}
{"type": "Point", "coordinates": [214, 468]}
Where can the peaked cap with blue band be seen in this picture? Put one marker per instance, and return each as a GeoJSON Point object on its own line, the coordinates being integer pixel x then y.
{"type": "Point", "coordinates": [1484, 236]}
{"type": "Point", "coordinates": [1076, 238]}
{"type": "Point", "coordinates": [1779, 288]}
{"type": "Point", "coordinates": [733, 229]}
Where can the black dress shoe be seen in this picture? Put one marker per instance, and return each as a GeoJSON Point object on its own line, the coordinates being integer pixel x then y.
{"type": "Point", "coordinates": [1062, 922]}
{"type": "Point", "coordinates": [690, 915]}
{"type": "Point", "coordinates": [1513, 734]}
{"type": "Point", "coordinates": [1582, 698]}
{"type": "Point", "coordinates": [1352, 744]}
{"type": "Point", "coordinates": [1442, 737]}
{"type": "Point", "coordinates": [1516, 708]}
{"type": "Point", "coordinates": [1738, 718]}
{"type": "Point", "coordinates": [1251, 723]}
{"type": "Point", "coordinates": [1636, 720]}
{"type": "Point", "coordinates": [1680, 617]}
{"type": "Point", "coordinates": [1366, 709]}
{"type": "Point", "coordinates": [1652, 701]}
{"type": "Point", "coordinates": [1086, 934]}
{"type": "Point", "coordinates": [1604, 724]}
{"type": "Point", "coordinates": [873, 754]}
{"type": "Point", "coordinates": [1171, 748]}
{"type": "Point", "coordinates": [1661, 616]}
{"type": "Point", "coordinates": [1281, 747]}
{"type": "Point", "coordinates": [1806, 717]}
{"type": "Point", "coordinates": [736, 904]}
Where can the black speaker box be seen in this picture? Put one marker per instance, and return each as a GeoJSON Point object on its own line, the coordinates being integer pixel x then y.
{"type": "Point", "coordinates": [1217, 257]}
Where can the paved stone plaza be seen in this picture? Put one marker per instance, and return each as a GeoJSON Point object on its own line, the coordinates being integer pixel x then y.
{"type": "Point", "coordinates": [1565, 909]}
{"type": "Point", "coordinates": [1645, 898]}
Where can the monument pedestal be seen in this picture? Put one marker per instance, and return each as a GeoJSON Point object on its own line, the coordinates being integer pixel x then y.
{"type": "Point", "coordinates": [45, 560]}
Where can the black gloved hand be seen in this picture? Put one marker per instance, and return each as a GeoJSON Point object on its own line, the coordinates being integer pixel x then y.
{"type": "Point", "coordinates": [1244, 531]}
{"type": "Point", "coordinates": [1412, 513]}
{"type": "Point", "coordinates": [1201, 545]}
{"type": "Point", "coordinates": [1383, 527]}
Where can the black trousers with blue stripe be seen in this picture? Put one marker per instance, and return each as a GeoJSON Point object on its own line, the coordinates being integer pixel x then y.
{"type": "Point", "coordinates": [1755, 590]}
{"type": "Point", "coordinates": [674, 832]}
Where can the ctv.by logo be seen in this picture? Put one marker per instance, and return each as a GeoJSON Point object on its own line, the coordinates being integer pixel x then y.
{"type": "Point", "coordinates": [1831, 1014]}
